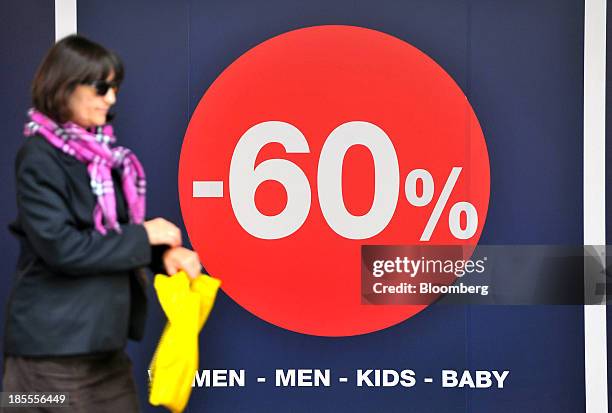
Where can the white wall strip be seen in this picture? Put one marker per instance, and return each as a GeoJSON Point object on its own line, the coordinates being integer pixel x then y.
{"type": "Point", "coordinates": [65, 18]}
{"type": "Point", "coordinates": [595, 348]}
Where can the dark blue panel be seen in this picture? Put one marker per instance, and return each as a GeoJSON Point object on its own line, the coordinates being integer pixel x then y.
{"type": "Point", "coordinates": [526, 83]}
{"type": "Point", "coordinates": [524, 61]}
{"type": "Point", "coordinates": [608, 127]}
{"type": "Point", "coordinates": [526, 89]}
{"type": "Point", "coordinates": [221, 31]}
{"type": "Point", "coordinates": [543, 347]}
{"type": "Point", "coordinates": [27, 31]}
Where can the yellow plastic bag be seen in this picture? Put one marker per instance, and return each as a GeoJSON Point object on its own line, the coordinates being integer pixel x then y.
{"type": "Point", "coordinates": [187, 305]}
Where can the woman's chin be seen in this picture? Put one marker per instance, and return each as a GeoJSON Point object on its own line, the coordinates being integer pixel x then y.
{"type": "Point", "coordinates": [99, 121]}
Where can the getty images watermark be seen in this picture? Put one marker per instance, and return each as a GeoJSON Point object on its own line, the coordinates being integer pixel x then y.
{"type": "Point", "coordinates": [484, 274]}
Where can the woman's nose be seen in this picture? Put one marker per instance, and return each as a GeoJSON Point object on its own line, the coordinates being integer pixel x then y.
{"type": "Point", "coordinates": [111, 96]}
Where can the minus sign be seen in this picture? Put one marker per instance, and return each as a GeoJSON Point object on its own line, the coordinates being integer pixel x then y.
{"type": "Point", "coordinates": [428, 380]}
{"type": "Point", "coordinates": [207, 189]}
{"type": "Point", "coordinates": [261, 379]}
{"type": "Point", "coordinates": [343, 380]}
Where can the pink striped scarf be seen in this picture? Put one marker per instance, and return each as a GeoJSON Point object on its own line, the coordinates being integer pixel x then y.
{"type": "Point", "coordinates": [92, 147]}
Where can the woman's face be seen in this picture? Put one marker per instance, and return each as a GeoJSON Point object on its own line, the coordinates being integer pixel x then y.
{"type": "Point", "coordinates": [88, 108]}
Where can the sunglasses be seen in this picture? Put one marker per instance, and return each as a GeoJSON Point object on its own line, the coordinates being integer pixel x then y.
{"type": "Point", "coordinates": [102, 87]}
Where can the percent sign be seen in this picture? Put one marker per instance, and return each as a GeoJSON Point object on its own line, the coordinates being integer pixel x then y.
{"type": "Point", "coordinates": [245, 178]}
{"type": "Point", "coordinates": [454, 216]}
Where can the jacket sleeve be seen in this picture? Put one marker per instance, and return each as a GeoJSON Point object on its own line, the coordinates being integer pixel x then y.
{"type": "Point", "coordinates": [51, 229]}
{"type": "Point", "coordinates": [157, 259]}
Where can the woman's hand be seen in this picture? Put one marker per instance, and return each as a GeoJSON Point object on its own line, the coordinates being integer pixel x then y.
{"type": "Point", "coordinates": [179, 258]}
{"type": "Point", "coordinates": [162, 232]}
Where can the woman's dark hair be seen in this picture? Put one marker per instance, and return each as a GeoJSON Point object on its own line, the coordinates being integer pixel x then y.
{"type": "Point", "coordinates": [72, 61]}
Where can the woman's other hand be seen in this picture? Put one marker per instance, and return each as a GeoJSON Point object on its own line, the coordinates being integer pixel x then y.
{"type": "Point", "coordinates": [179, 258]}
{"type": "Point", "coordinates": [162, 232]}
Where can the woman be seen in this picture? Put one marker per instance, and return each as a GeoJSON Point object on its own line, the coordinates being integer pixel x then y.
{"type": "Point", "coordinates": [79, 291]}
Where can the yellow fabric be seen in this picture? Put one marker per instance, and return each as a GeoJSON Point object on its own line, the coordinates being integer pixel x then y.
{"type": "Point", "coordinates": [187, 304]}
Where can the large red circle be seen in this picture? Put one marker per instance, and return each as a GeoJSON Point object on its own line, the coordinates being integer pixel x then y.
{"type": "Point", "coordinates": [316, 79]}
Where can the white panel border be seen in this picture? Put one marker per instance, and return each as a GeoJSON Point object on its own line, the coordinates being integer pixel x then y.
{"type": "Point", "coordinates": [65, 18]}
{"type": "Point", "coordinates": [595, 340]}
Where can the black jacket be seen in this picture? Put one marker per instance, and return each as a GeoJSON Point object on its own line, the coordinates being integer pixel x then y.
{"type": "Point", "coordinates": [75, 290]}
